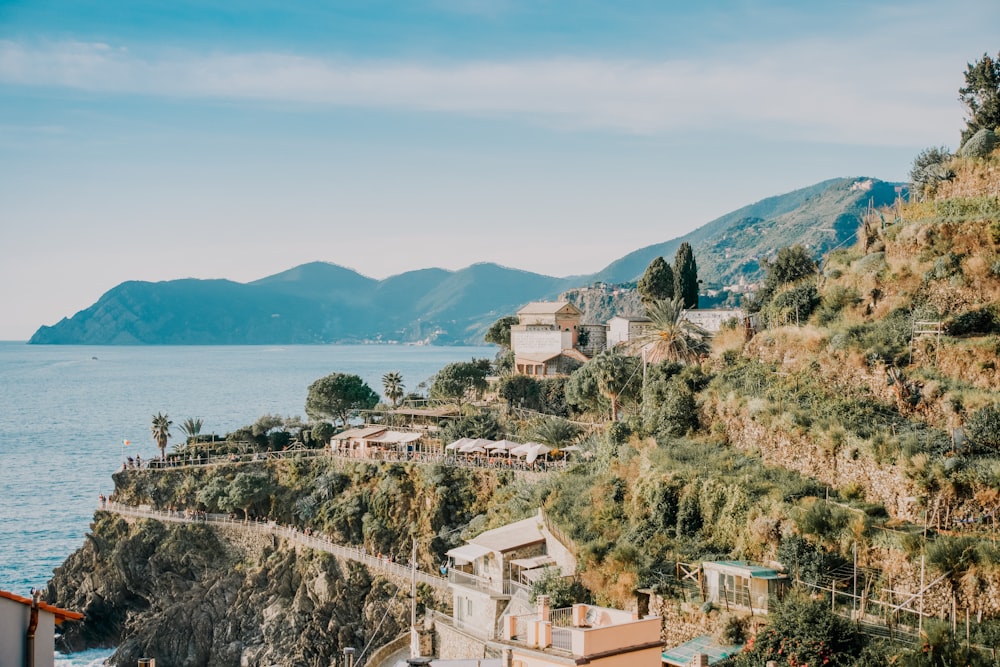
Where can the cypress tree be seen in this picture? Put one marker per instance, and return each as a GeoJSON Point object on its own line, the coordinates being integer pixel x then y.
{"type": "Point", "coordinates": [657, 283]}
{"type": "Point", "coordinates": [686, 276]}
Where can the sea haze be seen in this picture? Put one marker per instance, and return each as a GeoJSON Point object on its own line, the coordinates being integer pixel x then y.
{"type": "Point", "coordinates": [64, 411]}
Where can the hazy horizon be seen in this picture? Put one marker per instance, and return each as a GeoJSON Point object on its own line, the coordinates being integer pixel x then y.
{"type": "Point", "coordinates": [156, 141]}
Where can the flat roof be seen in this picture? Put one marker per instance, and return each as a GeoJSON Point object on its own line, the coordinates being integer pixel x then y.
{"type": "Point", "coordinates": [467, 553]}
{"type": "Point", "coordinates": [424, 412]}
{"type": "Point", "coordinates": [60, 614]}
{"type": "Point", "coordinates": [360, 432]}
{"type": "Point", "coordinates": [511, 536]}
{"type": "Point", "coordinates": [682, 655]}
{"type": "Point", "coordinates": [755, 571]}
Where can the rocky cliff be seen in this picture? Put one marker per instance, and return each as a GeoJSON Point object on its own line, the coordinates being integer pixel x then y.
{"type": "Point", "coordinates": [195, 595]}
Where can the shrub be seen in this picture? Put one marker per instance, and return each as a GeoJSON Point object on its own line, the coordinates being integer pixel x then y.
{"type": "Point", "coordinates": [835, 300]}
{"type": "Point", "coordinates": [945, 267]}
{"type": "Point", "coordinates": [973, 322]}
{"type": "Point", "coordinates": [733, 630]}
{"type": "Point", "coordinates": [803, 631]}
{"type": "Point", "coordinates": [980, 144]}
{"type": "Point", "coordinates": [929, 168]}
{"type": "Point", "coordinates": [870, 264]}
{"type": "Point", "coordinates": [983, 428]}
{"type": "Point", "coordinates": [689, 514]}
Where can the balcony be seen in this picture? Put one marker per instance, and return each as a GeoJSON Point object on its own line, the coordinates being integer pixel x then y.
{"type": "Point", "coordinates": [481, 584]}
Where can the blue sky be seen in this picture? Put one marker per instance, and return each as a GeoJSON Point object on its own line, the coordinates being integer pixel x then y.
{"type": "Point", "coordinates": [154, 140]}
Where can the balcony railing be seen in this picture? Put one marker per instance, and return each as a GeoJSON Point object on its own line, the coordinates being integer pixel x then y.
{"type": "Point", "coordinates": [467, 580]}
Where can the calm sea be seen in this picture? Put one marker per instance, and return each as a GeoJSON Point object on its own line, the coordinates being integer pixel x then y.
{"type": "Point", "coordinates": [65, 410]}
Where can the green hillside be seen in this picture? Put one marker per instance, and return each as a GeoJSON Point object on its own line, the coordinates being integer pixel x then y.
{"type": "Point", "coordinates": [820, 217]}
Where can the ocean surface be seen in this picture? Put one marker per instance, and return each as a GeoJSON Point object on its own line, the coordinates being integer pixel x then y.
{"type": "Point", "coordinates": [66, 410]}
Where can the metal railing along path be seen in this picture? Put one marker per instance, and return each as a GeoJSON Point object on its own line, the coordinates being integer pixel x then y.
{"type": "Point", "coordinates": [289, 533]}
{"type": "Point", "coordinates": [389, 456]}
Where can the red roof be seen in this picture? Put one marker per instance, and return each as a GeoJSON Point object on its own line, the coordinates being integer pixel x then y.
{"type": "Point", "coordinates": [60, 614]}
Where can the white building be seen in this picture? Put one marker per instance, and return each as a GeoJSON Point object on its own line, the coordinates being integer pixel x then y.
{"type": "Point", "coordinates": [623, 330]}
{"type": "Point", "coordinates": [493, 572]}
{"type": "Point", "coordinates": [27, 628]}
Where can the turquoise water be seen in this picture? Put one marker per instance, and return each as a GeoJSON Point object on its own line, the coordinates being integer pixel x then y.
{"type": "Point", "coordinates": [64, 411]}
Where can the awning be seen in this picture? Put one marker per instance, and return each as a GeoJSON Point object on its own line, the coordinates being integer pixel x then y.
{"type": "Point", "coordinates": [395, 437]}
{"type": "Point", "coordinates": [359, 433]}
{"type": "Point", "coordinates": [537, 561]}
{"type": "Point", "coordinates": [467, 553]}
{"type": "Point", "coordinates": [531, 576]}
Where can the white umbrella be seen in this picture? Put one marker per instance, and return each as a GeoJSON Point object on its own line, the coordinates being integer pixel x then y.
{"type": "Point", "coordinates": [537, 449]}
{"type": "Point", "coordinates": [458, 443]}
{"type": "Point", "coordinates": [503, 445]}
{"type": "Point", "coordinates": [471, 446]}
{"type": "Point", "coordinates": [522, 450]}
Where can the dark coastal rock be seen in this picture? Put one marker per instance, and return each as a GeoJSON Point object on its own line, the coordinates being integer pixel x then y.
{"type": "Point", "coordinates": [184, 595]}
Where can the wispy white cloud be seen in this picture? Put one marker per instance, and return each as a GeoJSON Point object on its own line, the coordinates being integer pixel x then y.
{"type": "Point", "coordinates": [817, 91]}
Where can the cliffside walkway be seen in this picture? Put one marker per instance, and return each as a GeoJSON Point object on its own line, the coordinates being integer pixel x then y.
{"type": "Point", "coordinates": [536, 468]}
{"type": "Point", "coordinates": [286, 532]}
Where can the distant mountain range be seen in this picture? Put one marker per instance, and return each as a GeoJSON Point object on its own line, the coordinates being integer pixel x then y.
{"type": "Point", "coordinates": [325, 303]}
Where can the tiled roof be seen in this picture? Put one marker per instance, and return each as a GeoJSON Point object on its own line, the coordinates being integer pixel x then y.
{"type": "Point", "coordinates": [60, 614]}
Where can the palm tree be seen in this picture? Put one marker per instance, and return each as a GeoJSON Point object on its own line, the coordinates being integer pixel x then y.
{"type": "Point", "coordinates": [556, 432]}
{"type": "Point", "coordinates": [161, 432]}
{"type": "Point", "coordinates": [613, 372]}
{"type": "Point", "coordinates": [191, 428]}
{"type": "Point", "coordinates": [671, 337]}
{"type": "Point", "coordinates": [392, 383]}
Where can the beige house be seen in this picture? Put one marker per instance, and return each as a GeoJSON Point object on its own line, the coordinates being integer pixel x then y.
{"type": "Point", "coordinates": [582, 634]}
{"type": "Point", "coordinates": [27, 630]}
{"type": "Point", "coordinates": [545, 339]}
{"type": "Point", "coordinates": [492, 573]}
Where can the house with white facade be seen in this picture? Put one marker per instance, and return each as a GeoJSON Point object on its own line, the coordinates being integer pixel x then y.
{"type": "Point", "coordinates": [624, 330]}
{"type": "Point", "coordinates": [27, 630]}
{"type": "Point", "coordinates": [492, 573]}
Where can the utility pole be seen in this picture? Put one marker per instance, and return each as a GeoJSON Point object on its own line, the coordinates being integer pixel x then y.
{"type": "Point", "coordinates": [413, 585]}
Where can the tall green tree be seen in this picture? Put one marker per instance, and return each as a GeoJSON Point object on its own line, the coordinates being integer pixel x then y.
{"type": "Point", "coordinates": [338, 396]}
{"type": "Point", "coordinates": [981, 95]}
{"type": "Point", "coordinates": [499, 331]}
{"type": "Point", "coordinates": [160, 428]}
{"type": "Point", "coordinates": [671, 337]}
{"type": "Point", "coordinates": [392, 385]}
{"type": "Point", "coordinates": [686, 276]}
{"type": "Point", "coordinates": [657, 283]}
{"type": "Point", "coordinates": [461, 381]}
